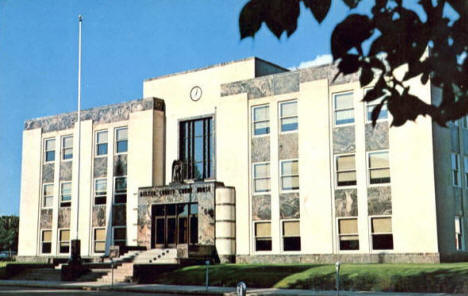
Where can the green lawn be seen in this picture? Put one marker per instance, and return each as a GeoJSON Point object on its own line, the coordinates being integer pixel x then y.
{"type": "Point", "coordinates": [450, 278]}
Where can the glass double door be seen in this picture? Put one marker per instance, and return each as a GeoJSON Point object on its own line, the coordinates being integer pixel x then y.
{"type": "Point", "coordinates": [174, 224]}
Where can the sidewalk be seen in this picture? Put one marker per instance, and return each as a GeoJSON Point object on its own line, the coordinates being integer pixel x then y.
{"type": "Point", "coordinates": [195, 290]}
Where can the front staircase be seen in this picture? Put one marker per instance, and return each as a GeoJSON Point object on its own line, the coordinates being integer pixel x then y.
{"type": "Point", "coordinates": [123, 266]}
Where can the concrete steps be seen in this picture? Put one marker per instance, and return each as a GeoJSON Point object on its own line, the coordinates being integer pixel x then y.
{"type": "Point", "coordinates": [122, 273]}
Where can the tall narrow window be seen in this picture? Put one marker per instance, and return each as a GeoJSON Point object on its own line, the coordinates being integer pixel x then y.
{"type": "Point", "coordinates": [100, 191]}
{"type": "Point", "coordinates": [99, 240]}
{"type": "Point", "coordinates": [65, 194]}
{"type": "Point", "coordinates": [344, 108]}
{"type": "Point", "coordinates": [120, 236]}
{"type": "Point", "coordinates": [459, 233]}
{"type": "Point", "coordinates": [197, 148]}
{"type": "Point", "coordinates": [261, 120]}
{"type": "Point", "coordinates": [121, 139]}
{"type": "Point", "coordinates": [291, 236]}
{"type": "Point", "coordinates": [48, 195]}
{"type": "Point", "coordinates": [194, 223]}
{"type": "Point", "coordinates": [261, 177]}
{"type": "Point", "coordinates": [67, 148]}
{"type": "Point", "coordinates": [345, 170]}
{"type": "Point", "coordinates": [348, 232]}
{"type": "Point", "coordinates": [289, 175]}
{"type": "Point", "coordinates": [46, 242]}
{"type": "Point", "coordinates": [379, 168]}
{"type": "Point", "coordinates": [382, 237]}
{"type": "Point", "coordinates": [120, 190]}
{"type": "Point", "coordinates": [262, 236]}
{"type": "Point", "coordinates": [455, 160]}
{"type": "Point", "coordinates": [383, 112]}
{"type": "Point", "coordinates": [64, 241]}
{"type": "Point", "coordinates": [288, 116]}
{"type": "Point", "coordinates": [101, 143]}
{"type": "Point", "coordinates": [49, 150]}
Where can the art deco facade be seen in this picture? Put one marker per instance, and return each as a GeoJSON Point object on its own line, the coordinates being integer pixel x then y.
{"type": "Point", "coordinates": [279, 166]}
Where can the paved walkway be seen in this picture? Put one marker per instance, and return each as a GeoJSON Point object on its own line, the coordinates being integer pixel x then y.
{"type": "Point", "coordinates": [194, 290]}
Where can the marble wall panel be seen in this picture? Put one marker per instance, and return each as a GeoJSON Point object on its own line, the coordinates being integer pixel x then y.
{"type": "Point", "coordinates": [144, 224]}
{"type": "Point", "coordinates": [119, 215]}
{"type": "Point", "coordinates": [454, 139]}
{"type": "Point", "coordinates": [120, 165]}
{"type": "Point", "coordinates": [99, 115]}
{"type": "Point", "coordinates": [377, 137]}
{"type": "Point", "coordinates": [100, 167]}
{"type": "Point", "coordinates": [289, 206]}
{"type": "Point", "coordinates": [346, 203]}
{"type": "Point", "coordinates": [64, 216]}
{"type": "Point", "coordinates": [48, 173]}
{"type": "Point", "coordinates": [46, 219]}
{"type": "Point", "coordinates": [344, 140]}
{"type": "Point", "coordinates": [265, 86]}
{"type": "Point", "coordinates": [99, 216]}
{"type": "Point", "coordinates": [66, 170]}
{"type": "Point", "coordinates": [288, 146]}
{"type": "Point", "coordinates": [261, 207]}
{"type": "Point", "coordinates": [260, 149]}
{"type": "Point", "coordinates": [326, 72]}
{"type": "Point", "coordinates": [379, 200]}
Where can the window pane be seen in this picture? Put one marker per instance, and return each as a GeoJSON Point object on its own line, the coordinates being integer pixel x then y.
{"type": "Point", "coordinates": [379, 176]}
{"type": "Point", "coordinates": [344, 101]}
{"type": "Point", "coordinates": [348, 226]}
{"type": "Point", "coordinates": [99, 247]}
{"type": "Point", "coordinates": [198, 149]}
{"type": "Point", "coordinates": [67, 153]}
{"type": "Point", "coordinates": [291, 228]}
{"type": "Point", "coordinates": [382, 242]}
{"type": "Point", "coordinates": [288, 109]}
{"type": "Point", "coordinates": [101, 186]}
{"type": "Point", "coordinates": [263, 244]}
{"type": "Point", "coordinates": [66, 188]}
{"type": "Point", "coordinates": [101, 137]}
{"type": "Point", "coordinates": [289, 124]}
{"type": "Point", "coordinates": [50, 155]}
{"type": "Point", "coordinates": [67, 142]}
{"type": "Point", "coordinates": [102, 149]}
{"type": "Point", "coordinates": [122, 146]}
{"type": "Point", "coordinates": [122, 134]}
{"type": "Point", "coordinates": [50, 144]}
{"type": "Point", "coordinates": [261, 128]}
{"type": "Point", "coordinates": [120, 233]}
{"type": "Point", "coordinates": [64, 235]}
{"type": "Point", "coordinates": [290, 183]}
{"type": "Point", "coordinates": [465, 160]}
{"type": "Point", "coordinates": [262, 185]}
{"type": "Point", "coordinates": [262, 170]}
{"type": "Point", "coordinates": [100, 234]}
{"type": "Point", "coordinates": [193, 208]}
{"type": "Point", "coordinates": [347, 178]}
{"type": "Point", "coordinates": [262, 229]}
{"type": "Point", "coordinates": [454, 161]}
{"type": "Point", "coordinates": [378, 160]}
{"type": "Point", "coordinates": [48, 202]}
{"type": "Point", "coordinates": [382, 115]}
{"type": "Point", "coordinates": [292, 243]}
{"type": "Point", "coordinates": [47, 236]}
{"type": "Point", "coordinates": [120, 184]}
{"type": "Point", "coordinates": [261, 113]}
{"type": "Point", "coordinates": [48, 190]}
{"type": "Point", "coordinates": [349, 243]}
{"type": "Point", "coordinates": [381, 225]}
{"type": "Point", "coordinates": [345, 163]}
{"type": "Point", "coordinates": [198, 126]}
{"type": "Point", "coordinates": [345, 116]}
{"type": "Point", "coordinates": [289, 168]}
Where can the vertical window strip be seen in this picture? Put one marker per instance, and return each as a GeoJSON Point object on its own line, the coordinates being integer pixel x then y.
{"type": "Point", "coordinates": [49, 150]}
{"type": "Point", "coordinates": [289, 175]}
{"type": "Point", "coordinates": [101, 143]}
{"type": "Point", "coordinates": [261, 177]}
{"type": "Point", "coordinates": [261, 120]}
{"type": "Point", "coordinates": [288, 116]}
{"type": "Point", "coordinates": [345, 170]}
{"type": "Point", "coordinates": [47, 195]}
{"type": "Point", "coordinates": [67, 147]}
{"type": "Point", "coordinates": [455, 162]}
{"type": "Point", "coordinates": [343, 108]}
{"type": "Point", "coordinates": [379, 167]}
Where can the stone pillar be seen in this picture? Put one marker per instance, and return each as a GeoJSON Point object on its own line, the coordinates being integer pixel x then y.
{"type": "Point", "coordinates": [225, 224]}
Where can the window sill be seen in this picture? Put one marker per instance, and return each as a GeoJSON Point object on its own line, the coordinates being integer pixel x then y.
{"type": "Point", "coordinates": [379, 185]}
{"type": "Point", "coordinates": [261, 193]}
{"type": "Point", "coordinates": [67, 160]}
{"type": "Point", "coordinates": [260, 136]}
{"type": "Point", "coordinates": [288, 132]}
{"type": "Point", "coordinates": [346, 187]}
{"type": "Point", "coordinates": [290, 191]}
{"type": "Point", "coordinates": [100, 156]}
{"type": "Point", "coordinates": [343, 125]}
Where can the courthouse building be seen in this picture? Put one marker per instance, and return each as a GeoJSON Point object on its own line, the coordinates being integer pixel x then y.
{"type": "Point", "coordinates": [249, 162]}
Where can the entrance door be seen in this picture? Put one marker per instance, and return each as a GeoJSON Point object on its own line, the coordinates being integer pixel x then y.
{"type": "Point", "coordinates": [174, 224]}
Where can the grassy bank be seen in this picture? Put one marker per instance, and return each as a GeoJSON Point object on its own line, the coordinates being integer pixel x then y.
{"type": "Point", "coordinates": [449, 278]}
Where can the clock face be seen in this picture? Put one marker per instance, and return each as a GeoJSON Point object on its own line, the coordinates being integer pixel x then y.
{"type": "Point", "coordinates": [195, 93]}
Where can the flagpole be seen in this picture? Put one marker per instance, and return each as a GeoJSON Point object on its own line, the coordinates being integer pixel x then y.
{"type": "Point", "coordinates": [75, 245]}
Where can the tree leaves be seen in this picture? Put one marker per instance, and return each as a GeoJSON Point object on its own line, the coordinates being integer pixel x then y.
{"type": "Point", "coordinates": [319, 8]}
{"type": "Point", "coordinates": [350, 33]}
{"type": "Point", "coordinates": [279, 15]}
{"type": "Point", "coordinates": [403, 39]}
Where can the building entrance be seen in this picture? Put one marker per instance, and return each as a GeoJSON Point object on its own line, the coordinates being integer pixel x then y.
{"type": "Point", "coordinates": [174, 224]}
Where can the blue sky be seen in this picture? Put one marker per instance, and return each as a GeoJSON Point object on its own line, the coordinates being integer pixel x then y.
{"type": "Point", "coordinates": [124, 42]}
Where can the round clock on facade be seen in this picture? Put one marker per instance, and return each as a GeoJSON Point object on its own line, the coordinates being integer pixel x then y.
{"type": "Point", "coordinates": [195, 93]}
